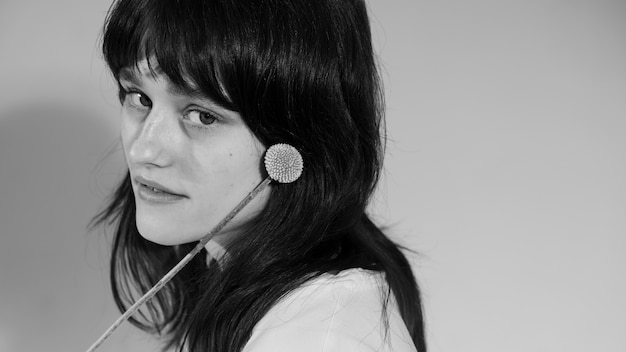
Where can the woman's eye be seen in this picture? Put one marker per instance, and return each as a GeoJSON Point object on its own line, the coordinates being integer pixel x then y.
{"type": "Point", "coordinates": [203, 118]}
{"type": "Point", "coordinates": [136, 100]}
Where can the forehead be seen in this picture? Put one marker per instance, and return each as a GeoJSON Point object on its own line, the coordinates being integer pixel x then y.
{"type": "Point", "coordinates": [141, 70]}
{"type": "Point", "coordinates": [144, 70]}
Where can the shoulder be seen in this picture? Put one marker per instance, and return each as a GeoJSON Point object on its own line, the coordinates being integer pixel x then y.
{"type": "Point", "coordinates": [343, 312]}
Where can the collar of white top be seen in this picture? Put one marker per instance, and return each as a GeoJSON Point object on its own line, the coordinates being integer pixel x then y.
{"type": "Point", "coordinates": [215, 251]}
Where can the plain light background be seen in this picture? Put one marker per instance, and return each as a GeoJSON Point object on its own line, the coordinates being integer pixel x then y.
{"type": "Point", "coordinates": [505, 170]}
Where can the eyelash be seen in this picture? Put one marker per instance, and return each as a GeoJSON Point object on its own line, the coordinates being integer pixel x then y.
{"type": "Point", "coordinates": [214, 118]}
{"type": "Point", "coordinates": [124, 93]}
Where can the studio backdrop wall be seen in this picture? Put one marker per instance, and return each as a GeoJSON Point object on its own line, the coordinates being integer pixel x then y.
{"type": "Point", "coordinates": [505, 171]}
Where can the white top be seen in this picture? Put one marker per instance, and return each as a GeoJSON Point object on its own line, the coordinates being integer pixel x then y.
{"type": "Point", "coordinates": [333, 313]}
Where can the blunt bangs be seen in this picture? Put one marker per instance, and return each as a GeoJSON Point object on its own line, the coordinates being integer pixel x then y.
{"type": "Point", "coordinates": [182, 40]}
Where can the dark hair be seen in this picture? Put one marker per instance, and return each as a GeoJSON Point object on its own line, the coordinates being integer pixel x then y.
{"type": "Point", "coordinates": [300, 72]}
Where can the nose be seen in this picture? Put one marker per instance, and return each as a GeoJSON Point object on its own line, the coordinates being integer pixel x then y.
{"type": "Point", "coordinates": [149, 143]}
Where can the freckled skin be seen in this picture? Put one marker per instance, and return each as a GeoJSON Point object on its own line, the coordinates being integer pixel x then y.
{"type": "Point", "coordinates": [214, 167]}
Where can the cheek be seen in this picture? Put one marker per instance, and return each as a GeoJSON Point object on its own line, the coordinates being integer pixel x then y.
{"type": "Point", "coordinates": [245, 172]}
{"type": "Point", "coordinates": [223, 183]}
{"type": "Point", "coordinates": [127, 130]}
{"type": "Point", "coordinates": [230, 166]}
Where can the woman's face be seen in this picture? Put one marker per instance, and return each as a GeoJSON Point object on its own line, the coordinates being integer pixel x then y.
{"type": "Point", "coordinates": [190, 160]}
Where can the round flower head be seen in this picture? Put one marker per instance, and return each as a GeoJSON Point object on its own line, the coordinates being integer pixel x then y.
{"type": "Point", "coordinates": [283, 163]}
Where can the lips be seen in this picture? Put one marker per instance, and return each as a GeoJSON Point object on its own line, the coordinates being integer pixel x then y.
{"type": "Point", "coordinates": [154, 192]}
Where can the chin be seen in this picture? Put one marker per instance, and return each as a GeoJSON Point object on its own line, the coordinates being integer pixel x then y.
{"type": "Point", "coordinates": [161, 234]}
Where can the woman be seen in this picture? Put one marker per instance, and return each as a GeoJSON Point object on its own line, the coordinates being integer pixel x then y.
{"type": "Point", "coordinates": [206, 86]}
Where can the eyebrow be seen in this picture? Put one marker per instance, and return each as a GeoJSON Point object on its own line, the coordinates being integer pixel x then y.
{"type": "Point", "coordinates": [133, 76]}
